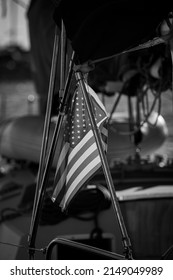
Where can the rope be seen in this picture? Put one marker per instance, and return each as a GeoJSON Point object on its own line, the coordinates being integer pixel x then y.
{"type": "Point", "coordinates": [43, 250]}
{"type": "Point", "coordinates": [148, 44]}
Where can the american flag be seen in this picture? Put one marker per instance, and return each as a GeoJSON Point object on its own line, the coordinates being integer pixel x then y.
{"type": "Point", "coordinates": [79, 158]}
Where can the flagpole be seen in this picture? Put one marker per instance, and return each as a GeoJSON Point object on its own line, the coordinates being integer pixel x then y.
{"type": "Point", "coordinates": [49, 161]}
{"type": "Point", "coordinates": [46, 163]}
{"type": "Point", "coordinates": [46, 123]}
{"type": "Point", "coordinates": [108, 177]}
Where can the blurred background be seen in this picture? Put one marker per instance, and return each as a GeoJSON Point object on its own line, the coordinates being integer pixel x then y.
{"type": "Point", "coordinates": [18, 94]}
{"type": "Point", "coordinates": [147, 213]}
{"type": "Point", "coordinates": [15, 62]}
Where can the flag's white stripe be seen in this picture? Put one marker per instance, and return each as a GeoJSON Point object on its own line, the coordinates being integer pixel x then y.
{"type": "Point", "coordinates": [60, 184]}
{"type": "Point", "coordinates": [63, 155]}
{"type": "Point", "coordinates": [81, 159]}
{"type": "Point", "coordinates": [79, 146]}
{"type": "Point", "coordinates": [105, 134]}
{"type": "Point", "coordinates": [104, 131]}
{"type": "Point", "coordinates": [102, 120]}
{"type": "Point", "coordinates": [77, 180]}
{"type": "Point", "coordinates": [62, 179]}
{"type": "Point", "coordinates": [89, 159]}
{"type": "Point", "coordinates": [95, 96]}
{"type": "Point", "coordinates": [81, 183]}
{"type": "Point", "coordinates": [83, 142]}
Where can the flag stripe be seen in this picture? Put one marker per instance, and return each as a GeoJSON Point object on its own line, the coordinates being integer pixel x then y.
{"type": "Point", "coordinates": [81, 160]}
{"type": "Point", "coordinates": [63, 154]}
{"type": "Point", "coordinates": [87, 165]}
{"type": "Point", "coordinates": [84, 144]}
{"type": "Point", "coordinates": [104, 137]}
{"type": "Point", "coordinates": [96, 98]}
{"type": "Point", "coordinates": [104, 132]}
{"type": "Point", "coordinates": [87, 172]}
{"type": "Point", "coordinates": [76, 163]}
{"type": "Point", "coordinates": [80, 147]}
{"type": "Point", "coordinates": [61, 172]}
{"type": "Point", "coordinates": [84, 162]}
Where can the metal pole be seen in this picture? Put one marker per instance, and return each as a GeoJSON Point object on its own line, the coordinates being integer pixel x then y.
{"type": "Point", "coordinates": [85, 248]}
{"type": "Point", "coordinates": [62, 62]}
{"type": "Point", "coordinates": [49, 161]}
{"type": "Point", "coordinates": [96, 132]}
{"type": "Point", "coordinates": [46, 123]}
